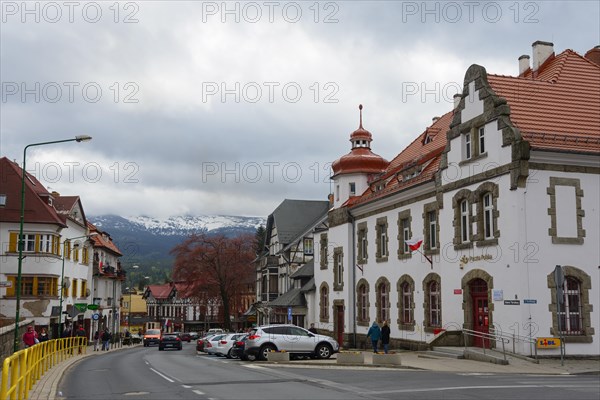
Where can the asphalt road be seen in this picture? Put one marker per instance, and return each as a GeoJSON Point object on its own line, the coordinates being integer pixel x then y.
{"type": "Point", "coordinates": [146, 373]}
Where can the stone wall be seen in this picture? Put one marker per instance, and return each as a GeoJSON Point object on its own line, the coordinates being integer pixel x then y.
{"type": "Point", "coordinates": [7, 337]}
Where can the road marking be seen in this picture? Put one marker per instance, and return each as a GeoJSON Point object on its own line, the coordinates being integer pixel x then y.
{"type": "Point", "coordinates": [471, 388]}
{"type": "Point", "coordinates": [186, 386]}
{"type": "Point", "coordinates": [161, 375]}
{"type": "Point", "coordinates": [198, 392]}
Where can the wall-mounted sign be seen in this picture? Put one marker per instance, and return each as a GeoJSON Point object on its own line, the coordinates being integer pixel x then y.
{"type": "Point", "coordinates": [95, 317]}
{"type": "Point", "coordinates": [529, 301]}
{"type": "Point", "coordinates": [512, 302]}
{"type": "Point", "coordinates": [497, 294]}
{"type": "Point", "coordinates": [464, 260]}
{"type": "Point", "coordinates": [457, 291]}
{"type": "Point", "coordinates": [547, 343]}
{"type": "Point", "coordinates": [92, 306]}
{"type": "Point", "coordinates": [5, 283]}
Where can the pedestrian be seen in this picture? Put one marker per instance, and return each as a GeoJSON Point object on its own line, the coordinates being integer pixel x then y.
{"type": "Point", "coordinates": [313, 329]}
{"type": "Point", "coordinates": [374, 333]}
{"type": "Point", "coordinates": [128, 337]}
{"type": "Point", "coordinates": [30, 337]}
{"type": "Point", "coordinates": [96, 339]}
{"type": "Point", "coordinates": [82, 334]}
{"type": "Point", "coordinates": [385, 336]}
{"type": "Point", "coordinates": [44, 336]}
{"type": "Point", "coordinates": [105, 339]}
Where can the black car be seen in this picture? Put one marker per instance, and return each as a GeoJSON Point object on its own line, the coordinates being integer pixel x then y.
{"type": "Point", "coordinates": [237, 350]}
{"type": "Point", "coordinates": [170, 341]}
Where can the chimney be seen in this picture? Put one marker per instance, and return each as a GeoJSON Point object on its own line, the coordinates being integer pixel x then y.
{"type": "Point", "coordinates": [523, 64]}
{"type": "Point", "coordinates": [434, 119]}
{"type": "Point", "coordinates": [457, 98]}
{"type": "Point", "coordinates": [541, 52]}
{"type": "Point", "coordinates": [594, 55]}
{"type": "Point", "coordinates": [55, 193]}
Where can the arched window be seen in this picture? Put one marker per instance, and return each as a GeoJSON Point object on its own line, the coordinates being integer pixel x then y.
{"type": "Point", "coordinates": [362, 304]}
{"type": "Point", "coordinates": [570, 315]}
{"type": "Point", "coordinates": [383, 300]}
{"type": "Point", "coordinates": [407, 312]}
{"type": "Point", "coordinates": [324, 304]}
{"type": "Point", "coordinates": [433, 302]}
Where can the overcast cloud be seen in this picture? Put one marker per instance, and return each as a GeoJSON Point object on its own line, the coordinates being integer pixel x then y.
{"type": "Point", "coordinates": [146, 80]}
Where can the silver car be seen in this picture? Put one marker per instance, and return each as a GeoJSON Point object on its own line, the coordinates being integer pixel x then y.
{"type": "Point", "coordinates": [289, 338]}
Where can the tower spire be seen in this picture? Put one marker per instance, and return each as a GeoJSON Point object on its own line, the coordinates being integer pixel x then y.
{"type": "Point", "coordinates": [360, 107]}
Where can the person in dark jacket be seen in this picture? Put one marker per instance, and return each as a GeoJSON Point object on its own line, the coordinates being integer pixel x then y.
{"type": "Point", "coordinates": [374, 333]}
{"type": "Point", "coordinates": [313, 329]}
{"type": "Point", "coordinates": [106, 339]}
{"type": "Point", "coordinates": [44, 336]}
{"type": "Point", "coordinates": [385, 336]}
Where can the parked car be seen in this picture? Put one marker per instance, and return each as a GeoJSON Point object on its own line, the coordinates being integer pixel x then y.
{"type": "Point", "coordinates": [170, 340]}
{"type": "Point", "coordinates": [224, 344]}
{"type": "Point", "coordinates": [201, 343]}
{"type": "Point", "coordinates": [151, 336]}
{"type": "Point", "coordinates": [237, 350]}
{"type": "Point", "coordinates": [210, 345]}
{"type": "Point", "coordinates": [289, 338]}
{"type": "Point", "coordinates": [186, 337]}
{"type": "Point", "coordinates": [194, 335]}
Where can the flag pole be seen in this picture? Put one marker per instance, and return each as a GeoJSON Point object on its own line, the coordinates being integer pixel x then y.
{"type": "Point", "coordinates": [428, 259]}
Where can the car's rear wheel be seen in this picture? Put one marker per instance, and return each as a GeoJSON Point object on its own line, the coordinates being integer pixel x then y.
{"type": "Point", "coordinates": [323, 351]}
{"type": "Point", "coordinates": [229, 354]}
{"type": "Point", "coordinates": [265, 350]}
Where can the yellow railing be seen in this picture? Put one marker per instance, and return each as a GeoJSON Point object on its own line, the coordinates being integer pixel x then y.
{"type": "Point", "coordinates": [25, 367]}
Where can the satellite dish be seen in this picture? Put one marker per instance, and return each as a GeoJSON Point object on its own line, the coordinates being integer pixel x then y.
{"type": "Point", "coordinates": [66, 283]}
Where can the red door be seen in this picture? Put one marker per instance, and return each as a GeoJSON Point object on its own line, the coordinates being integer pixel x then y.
{"type": "Point", "coordinates": [340, 325]}
{"type": "Point", "coordinates": [481, 318]}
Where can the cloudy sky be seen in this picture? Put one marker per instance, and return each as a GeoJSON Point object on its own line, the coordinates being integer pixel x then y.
{"type": "Point", "coordinates": [228, 108]}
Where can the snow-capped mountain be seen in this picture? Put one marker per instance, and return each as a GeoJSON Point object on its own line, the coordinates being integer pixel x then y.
{"type": "Point", "coordinates": [181, 225]}
{"type": "Point", "coordinates": [147, 240]}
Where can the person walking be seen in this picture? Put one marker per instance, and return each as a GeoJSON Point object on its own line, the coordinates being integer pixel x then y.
{"type": "Point", "coordinates": [30, 337]}
{"type": "Point", "coordinates": [96, 339]}
{"type": "Point", "coordinates": [44, 336]}
{"type": "Point", "coordinates": [374, 333]}
{"type": "Point", "coordinates": [81, 333]}
{"type": "Point", "coordinates": [385, 336]}
{"type": "Point", "coordinates": [105, 339]}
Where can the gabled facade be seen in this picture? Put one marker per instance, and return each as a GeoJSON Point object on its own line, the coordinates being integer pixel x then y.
{"type": "Point", "coordinates": [289, 244]}
{"type": "Point", "coordinates": [501, 190]}
{"type": "Point", "coordinates": [57, 254]}
{"type": "Point", "coordinates": [171, 306]}
{"type": "Point", "coordinates": [107, 278]}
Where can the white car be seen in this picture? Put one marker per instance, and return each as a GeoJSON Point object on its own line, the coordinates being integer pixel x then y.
{"type": "Point", "coordinates": [290, 338]}
{"type": "Point", "coordinates": [225, 344]}
{"type": "Point", "coordinates": [210, 346]}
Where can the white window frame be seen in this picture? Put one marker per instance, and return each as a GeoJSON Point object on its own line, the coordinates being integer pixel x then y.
{"type": "Point", "coordinates": [468, 147]}
{"type": "Point", "coordinates": [465, 227]}
{"type": "Point", "coordinates": [434, 298]}
{"type": "Point", "coordinates": [407, 304]}
{"type": "Point", "coordinates": [384, 294]}
{"type": "Point", "coordinates": [488, 216]}
{"type": "Point", "coordinates": [432, 216]}
{"type": "Point", "coordinates": [352, 188]}
{"type": "Point", "coordinates": [405, 234]}
{"type": "Point", "coordinates": [481, 139]}
{"type": "Point", "coordinates": [46, 243]}
{"type": "Point", "coordinates": [383, 251]}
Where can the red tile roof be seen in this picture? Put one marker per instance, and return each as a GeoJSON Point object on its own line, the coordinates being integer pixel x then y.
{"type": "Point", "coordinates": [37, 207]}
{"type": "Point", "coordinates": [424, 151]}
{"type": "Point", "coordinates": [559, 108]}
{"type": "Point", "coordinates": [160, 291]}
{"type": "Point", "coordinates": [103, 239]}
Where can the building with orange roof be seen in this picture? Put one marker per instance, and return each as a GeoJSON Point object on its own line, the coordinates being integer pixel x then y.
{"type": "Point", "coordinates": [57, 283]}
{"type": "Point", "coordinates": [462, 232]}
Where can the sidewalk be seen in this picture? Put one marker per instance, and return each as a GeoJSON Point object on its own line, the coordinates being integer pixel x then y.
{"type": "Point", "coordinates": [46, 388]}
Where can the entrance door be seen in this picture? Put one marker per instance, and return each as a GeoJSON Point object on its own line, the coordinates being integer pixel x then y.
{"type": "Point", "coordinates": [340, 324]}
{"type": "Point", "coordinates": [479, 296]}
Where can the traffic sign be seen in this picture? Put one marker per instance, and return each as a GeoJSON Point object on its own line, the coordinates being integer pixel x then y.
{"type": "Point", "coordinates": [92, 306]}
{"type": "Point", "coordinates": [289, 313]}
{"type": "Point", "coordinates": [95, 317]}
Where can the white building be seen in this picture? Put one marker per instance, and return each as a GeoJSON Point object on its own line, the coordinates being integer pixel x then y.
{"type": "Point", "coordinates": [502, 189]}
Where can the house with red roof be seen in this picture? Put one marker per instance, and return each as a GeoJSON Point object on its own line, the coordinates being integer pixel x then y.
{"type": "Point", "coordinates": [175, 307]}
{"type": "Point", "coordinates": [57, 282]}
{"type": "Point", "coordinates": [486, 224]}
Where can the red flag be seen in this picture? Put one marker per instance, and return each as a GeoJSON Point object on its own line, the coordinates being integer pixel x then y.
{"type": "Point", "coordinates": [414, 244]}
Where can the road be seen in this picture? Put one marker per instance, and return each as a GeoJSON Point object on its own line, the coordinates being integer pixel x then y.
{"type": "Point", "coordinates": [146, 373]}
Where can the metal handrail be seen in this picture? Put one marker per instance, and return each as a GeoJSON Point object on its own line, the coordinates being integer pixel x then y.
{"type": "Point", "coordinates": [483, 335]}
{"type": "Point", "coordinates": [518, 338]}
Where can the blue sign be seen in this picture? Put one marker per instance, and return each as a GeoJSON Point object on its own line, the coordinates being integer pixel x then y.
{"type": "Point", "coordinates": [529, 301]}
{"type": "Point", "coordinates": [289, 313]}
{"type": "Point", "coordinates": [95, 317]}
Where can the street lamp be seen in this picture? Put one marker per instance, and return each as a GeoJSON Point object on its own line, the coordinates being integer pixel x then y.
{"type": "Point", "coordinates": [81, 138]}
{"type": "Point", "coordinates": [129, 288]}
{"type": "Point", "coordinates": [62, 277]}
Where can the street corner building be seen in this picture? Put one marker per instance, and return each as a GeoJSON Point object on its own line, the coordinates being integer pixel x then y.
{"type": "Point", "coordinates": [70, 271]}
{"type": "Point", "coordinates": [464, 229]}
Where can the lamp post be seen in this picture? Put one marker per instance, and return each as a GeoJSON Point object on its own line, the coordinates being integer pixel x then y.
{"type": "Point", "coordinates": [62, 277]}
{"type": "Point", "coordinates": [81, 138]}
{"type": "Point", "coordinates": [129, 288]}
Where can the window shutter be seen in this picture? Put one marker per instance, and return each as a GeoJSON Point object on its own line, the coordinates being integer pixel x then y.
{"type": "Point", "coordinates": [36, 246]}
{"type": "Point", "coordinates": [12, 243]}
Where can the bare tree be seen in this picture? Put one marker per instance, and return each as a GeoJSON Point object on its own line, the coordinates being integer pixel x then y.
{"type": "Point", "coordinates": [215, 266]}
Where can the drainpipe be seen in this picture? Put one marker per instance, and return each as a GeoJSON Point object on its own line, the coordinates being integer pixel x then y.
{"type": "Point", "coordinates": [352, 257]}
